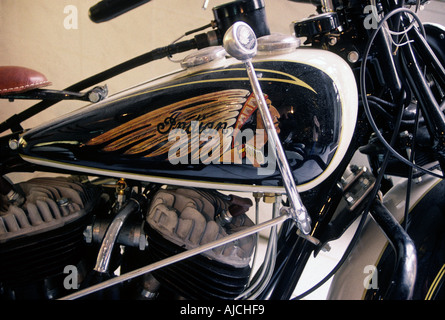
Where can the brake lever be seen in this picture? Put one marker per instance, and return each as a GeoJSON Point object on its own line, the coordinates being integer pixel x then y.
{"type": "Point", "coordinates": [240, 42]}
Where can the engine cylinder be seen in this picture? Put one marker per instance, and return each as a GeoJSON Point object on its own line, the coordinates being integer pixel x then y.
{"type": "Point", "coordinates": [39, 239]}
{"type": "Point", "coordinates": [182, 219]}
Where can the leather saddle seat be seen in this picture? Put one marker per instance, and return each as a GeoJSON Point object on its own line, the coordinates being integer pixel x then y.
{"type": "Point", "coordinates": [15, 79]}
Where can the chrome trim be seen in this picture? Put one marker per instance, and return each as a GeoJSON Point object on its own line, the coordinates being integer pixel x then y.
{"type": "Point", "coordinates": [106, 249]}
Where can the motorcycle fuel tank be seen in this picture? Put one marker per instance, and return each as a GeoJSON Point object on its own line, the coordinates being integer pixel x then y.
{"type": "Point", "coordinates": [201, 127]}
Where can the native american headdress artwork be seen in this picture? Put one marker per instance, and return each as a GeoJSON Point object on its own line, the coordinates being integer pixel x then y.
{"type": "Point", "coordinates": [225, 112]}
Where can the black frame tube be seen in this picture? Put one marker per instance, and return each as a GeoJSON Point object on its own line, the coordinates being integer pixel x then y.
{"type": "Point", "coordinates": [428, 55]}
{"type": "Point", "coordinates": [14, 121]}
{"type": "Point", "coordinates": [421, 89]}
{"type": "Point", "coordinates": [403, 279]}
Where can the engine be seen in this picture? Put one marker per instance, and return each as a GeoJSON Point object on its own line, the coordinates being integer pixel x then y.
{"type": "Point", "coordinates": [43, 236]}
{"type": "Point", "coordinates": [64, 221]}
{"type": "Point", "coordinates": [183, 219]}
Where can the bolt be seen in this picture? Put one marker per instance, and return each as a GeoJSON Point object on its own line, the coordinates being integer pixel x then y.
{"type": "Point", "coordinates": [349, 198]}
{"type": "Point", "coordinates": [332, 41]}
{"type": "Point", "coordinates": [63, 202]}
{"type": "Point", "coordinates": [13, 144]}
{"type": "Point", "coordinates": [88, 234]}
{"type": "Point", "coordinates": [353, 56]}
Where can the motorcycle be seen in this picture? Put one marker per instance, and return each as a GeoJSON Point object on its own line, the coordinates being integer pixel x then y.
{"type": "Point", "coordinates": [156, 184]}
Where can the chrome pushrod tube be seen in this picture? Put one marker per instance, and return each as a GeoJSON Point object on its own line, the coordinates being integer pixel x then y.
{"type": "Point", "coordinates": [176, 258]}
{"type": "Point", "coordinates": [265, 272]}
{"type": "Point", "coordinates": [106, 249]}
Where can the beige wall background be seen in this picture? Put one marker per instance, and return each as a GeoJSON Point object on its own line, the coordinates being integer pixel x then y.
{"type": "Point", "coordinates": [34, 33]}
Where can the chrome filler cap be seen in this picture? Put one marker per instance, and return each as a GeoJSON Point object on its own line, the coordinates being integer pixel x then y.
{"type": "Point", "coordinates": [206, 56]}
{"type": "Point", "coordinates": [277, 43]}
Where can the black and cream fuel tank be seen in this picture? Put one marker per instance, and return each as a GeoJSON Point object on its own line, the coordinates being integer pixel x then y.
{"type": "Point", "coordinates": [201, 126]}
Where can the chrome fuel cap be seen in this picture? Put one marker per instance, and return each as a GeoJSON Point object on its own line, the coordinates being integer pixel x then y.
{"type": "Point", "coordinates": [209, 57]}
{"type": "Point", "coordinates": [277, 43]}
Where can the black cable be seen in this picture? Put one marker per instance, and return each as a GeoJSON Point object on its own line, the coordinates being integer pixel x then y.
{"type": "Point", "coordinates": [365, 98]}
{"type": "Point", "coordinates": [198, 29]}
{"type": "Point", "coordinates": [410, 172]}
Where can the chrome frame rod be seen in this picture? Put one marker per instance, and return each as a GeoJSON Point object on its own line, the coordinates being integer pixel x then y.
{"type": "Point", "coordinates": [176, 258]}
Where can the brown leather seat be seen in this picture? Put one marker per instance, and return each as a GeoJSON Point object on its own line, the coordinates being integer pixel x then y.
{"type": "Point", "coordinates": [15, 79]}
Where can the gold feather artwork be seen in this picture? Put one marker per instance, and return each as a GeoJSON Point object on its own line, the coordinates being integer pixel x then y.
{"type": "Point", "coordinates": [148, 134]}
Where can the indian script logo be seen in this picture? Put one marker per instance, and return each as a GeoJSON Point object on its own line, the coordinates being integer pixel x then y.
{"type": "Point", "coordinates": [214, 127]}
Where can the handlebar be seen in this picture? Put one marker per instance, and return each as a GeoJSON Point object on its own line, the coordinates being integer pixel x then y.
{"type": "Point", "coordinates": [250, 11]}
{"type": "Point", "coordinates": [109, 9]}
{"type": "Point", "coordinates": [314, 2]}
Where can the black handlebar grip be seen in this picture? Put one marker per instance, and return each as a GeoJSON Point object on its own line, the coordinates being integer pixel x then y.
{"type": "Point", "coordinates": [109, 9]}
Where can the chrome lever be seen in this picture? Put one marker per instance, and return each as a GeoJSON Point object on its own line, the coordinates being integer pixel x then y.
{"type": "Point", "coordinates": [240, 42]}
